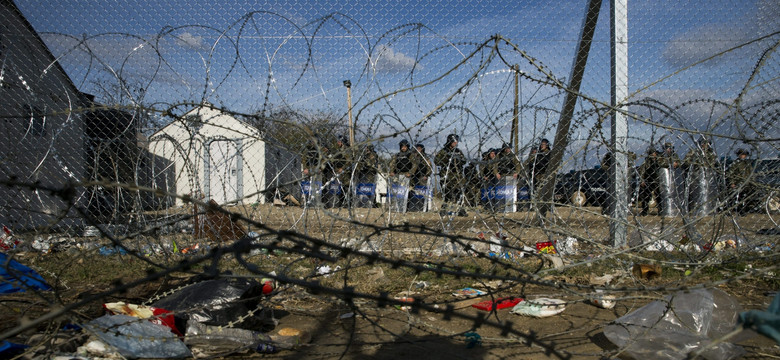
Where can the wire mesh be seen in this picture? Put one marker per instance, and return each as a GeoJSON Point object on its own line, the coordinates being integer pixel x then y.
{"type": "Point", "coordinates": [467, 141]}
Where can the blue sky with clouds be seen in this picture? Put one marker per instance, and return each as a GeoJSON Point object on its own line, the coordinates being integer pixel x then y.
{"type": "Point", "coordinates": [408, 60]}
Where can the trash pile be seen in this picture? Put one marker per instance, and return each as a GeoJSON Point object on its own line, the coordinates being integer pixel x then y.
{"type": "Point", "coordinates": [212, 317]}
{"type": "Point", "coordinates": [679, 324]}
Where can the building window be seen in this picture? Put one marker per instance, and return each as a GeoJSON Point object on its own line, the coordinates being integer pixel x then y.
{"type": "Point", "coordinates": [36, 120]}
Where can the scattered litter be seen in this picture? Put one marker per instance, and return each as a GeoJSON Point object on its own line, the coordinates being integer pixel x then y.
{"type": "Point", "coordinates": [497, 242]}
{"type": "Point", "coordinates": [135, 338]}
{"type": "Point", "coordinates": [421, 285]}
{"type": "Point", "coordinates": [646, 271]}
{"type": "Point", "coordinates": [15, 277]}
{"type": "Point", "coordinates": [555, 260]}
{"type": "Point", "coordinates": [545, 247]}
{"type": "Point", "coordinates": [157, 316]}
{"type": "Point", "coordinates": [469, 292]}
{"type": "Point", "coordinates": [216, 340]}
{"type": "Point", "coordinates": [472, 339]}
{"type": "Point", "coordinates": [213, 302]}
{"type": "Point", "coordinates": [767, 322]}
{"type": "Point", "coordinates": [7, 240]}
{"type": "Point", "coordinates": [325, 270]}
{"type": "Point", "coordinates": [567, 246]}
{"type": "Point", "coordinates": [603, 301]}
{"type": "Point", "coordinates": [686, 320]}
{"type": "Point", "coordinates": [8, 349]}
{"type": "Point", "coordinates": [289, 338]}
{"type": "Point", "coordinates": [659, 245]}
{"type": "Point", "coordinates": [406, 300]}
{"type": "Point", "coordinates": [763, 247]}
{"type": "Point", "coordinates": [601, 280]}
{"type": "Point", "coordinates": [541, 307]}
{"type": "Point", "coordinates": [112, 250]}
{"type": "Point", "coordinates": [347, 315]}
{"type": "Point", "coordinates": [500, 303]}
{"type": "Point", "coordinates": [98, 347]}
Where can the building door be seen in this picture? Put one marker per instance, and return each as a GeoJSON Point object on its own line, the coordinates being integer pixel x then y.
{"type": "Point", "coordinates": [224, 164]}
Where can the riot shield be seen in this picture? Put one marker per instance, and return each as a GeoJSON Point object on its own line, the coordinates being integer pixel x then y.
{"type": "Point", "coordinates": [311, 190]}
{"type": "Point", "coordinates": [505, 194]}
{"type": "Point", "coordinates": [398, 194]}
{"type": "Point", "coordinates": [364, 193]}
{"type": "Point", "coordinates": [487, 195]}
{"type": "Point", "coordinates": [332, 193]}
{"type": "Point", "coordinates": [669, 192]}
{"type": "Point", "coordinates": [702, 190]}
{"type": "Point", "coordinates": [419, 198]}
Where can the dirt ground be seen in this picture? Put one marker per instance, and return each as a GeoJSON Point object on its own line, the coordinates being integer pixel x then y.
{"type": "Point", "coordinates": [442, 324]}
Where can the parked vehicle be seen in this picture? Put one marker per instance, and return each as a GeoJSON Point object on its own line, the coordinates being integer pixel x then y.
{"type": "Point", "coordinates": [767, 184]}
{"type": "Point", "coordinates": [589, 187]}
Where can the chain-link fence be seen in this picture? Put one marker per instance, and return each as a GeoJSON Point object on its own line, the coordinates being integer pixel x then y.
{"type": "Point", "coordinates": [361, 154]}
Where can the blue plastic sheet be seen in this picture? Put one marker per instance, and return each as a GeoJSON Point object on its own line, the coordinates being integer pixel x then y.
{"type": "Point", "coordinates": [16, 277]}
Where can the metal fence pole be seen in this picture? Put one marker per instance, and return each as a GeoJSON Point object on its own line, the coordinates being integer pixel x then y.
{"type": "Point", "coordinates": [618, 23]}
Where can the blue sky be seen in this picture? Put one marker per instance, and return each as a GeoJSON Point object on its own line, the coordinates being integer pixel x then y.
{"type": "Point", "coordinates": [297, 53]}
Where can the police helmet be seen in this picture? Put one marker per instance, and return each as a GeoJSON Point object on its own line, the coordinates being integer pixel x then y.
{"type": "Point", "coordinates": [452, 138]}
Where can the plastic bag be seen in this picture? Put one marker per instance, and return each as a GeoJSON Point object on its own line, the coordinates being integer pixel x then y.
{"type": "Point", "coordinates": [213, 302]}
{"type": "Point", "coordinates": [137, 338]}
{"type": "Point", "coordinates": [211, 340]}
{"type": "Point", "coordinates": [684, 322]}
{"type": "Point", "coordinates": [541, 307]}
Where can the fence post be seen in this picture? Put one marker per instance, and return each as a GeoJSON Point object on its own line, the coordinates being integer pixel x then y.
{"type": "Point", "coordinates": [618, 24]}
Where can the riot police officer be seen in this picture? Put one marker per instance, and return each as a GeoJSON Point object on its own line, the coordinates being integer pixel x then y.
{"type": "Point", "coordinates": [450, 161]}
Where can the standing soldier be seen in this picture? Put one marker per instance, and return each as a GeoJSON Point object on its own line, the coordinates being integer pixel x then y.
{"type": "Point", "coordinates": [450, 161]}
{"type": "Point", "coordinates": [404, 163]}
{"type": "Point", "coordinates": [508, 165]}
{"type": "Point", "coordinates": [703, 156]}
{"type": "Point", "coordinates": [738, 178]}
{"type": "Point", "coordinates": [669, 158]}
{"type": "Point", "coordinates": [366, 168]}
{"type": "Point", "coordinates": [420, 176]}
{"type": "Point", "coordinates": [648, 183]}
{"type": "Point", "coordinates": [700, 164]}
{"type": "Point", "coordinates": [490, 176]}
{"type": "Point", "coordinates": [341, 164]}
{"type": "Point", "coordinates": [419, 182]}
{"type": "Point", "coordinates": [314, 161]}
{"type": "Point", "coordinates": [537, 164]}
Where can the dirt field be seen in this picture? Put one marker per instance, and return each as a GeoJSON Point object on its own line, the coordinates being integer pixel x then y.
{"type": "Point", "coordinates": [349, 318]}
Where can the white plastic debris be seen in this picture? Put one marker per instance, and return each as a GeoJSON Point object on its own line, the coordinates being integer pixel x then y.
{"type": "Point", "coordinates": [603, 301]}
{"type": "Point", "coordinates": [567, 246]}
{"type": "Point", "coordinates": [659, 245]}
{"type": "Point", "coordinates": [541, 307]}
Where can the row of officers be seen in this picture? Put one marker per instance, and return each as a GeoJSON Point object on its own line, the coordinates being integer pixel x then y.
{"type": "Point", "coordinates": [460, 180]}
{"type": "Point", "coordinates": [699, 180]}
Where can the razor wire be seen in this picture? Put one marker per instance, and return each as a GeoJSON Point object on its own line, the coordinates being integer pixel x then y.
{"type": "Point", "coordinates": [265, 136]}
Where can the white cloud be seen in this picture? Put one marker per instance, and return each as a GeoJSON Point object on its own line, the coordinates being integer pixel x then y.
{"type": "Point", "coordinates": [386, 59]}
{"type": "Point", "coordinates": [191, 41]}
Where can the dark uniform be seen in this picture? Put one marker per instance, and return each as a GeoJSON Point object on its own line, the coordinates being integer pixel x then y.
{"type": "Point", "coordinates": [490, 174]}
{"type": "Point", "coordinates": [508, 164]}
{"type": "Point", "coordinates": [366, 166]}
{"type": "Point", "coordinates": [405, 162]}
{"type": "Point", "coordinates": [537, 165]}
{"type": "Point", "coordinates": [738, 178]}
{"type": "Point", "coordinates": [648, 184]}
{"type": "Point", "coordinates": [340, 163]}
{"type": "Point", "coordinates": [450, 162]}
{"type": "Point", "coordinates": [703, 156]}
{"type": "Point", "coordinates": [424, 167]}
